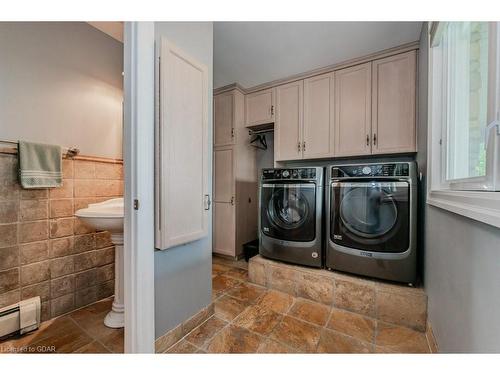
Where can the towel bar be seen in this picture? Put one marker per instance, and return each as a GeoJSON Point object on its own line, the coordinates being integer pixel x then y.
{"type": "Point", "coordinates": [70, 151]}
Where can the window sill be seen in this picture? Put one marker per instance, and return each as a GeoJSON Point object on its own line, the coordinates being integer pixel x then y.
{"type": "Point", "coordinates": [482, 206]}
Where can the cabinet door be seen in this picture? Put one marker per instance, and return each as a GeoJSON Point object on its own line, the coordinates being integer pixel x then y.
{"type": "Point", "coordinates": [393, 104]}
{"type": "Point", "coordinates": [259, 107]}
{"type": "Point", "coordinates": [318, 117]}
{"type": "Point", "coordinates": [224, 229]}
{"type": "Point", "coordinates": [289, 119]}
{"type": "Point", "coordinates": [224, 119]}
{"type": "Point", "coordinates": [224, 175]}
{"type": "Point", "coordinates": [353, 110]}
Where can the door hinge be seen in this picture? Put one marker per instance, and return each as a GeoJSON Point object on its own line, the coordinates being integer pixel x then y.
{"type": "Point", "coordinates": [136, 204]}
{"type": "Point", "coordinates": [441, 142]}
{"type": "Point", "coordinates": [272, 110]}
{"type": "Point", "coordinates": [232, 132]}
{"type": "Point", "coordinates": [207, 202]}
{"type": "Point", "coordinates": [232, 200]}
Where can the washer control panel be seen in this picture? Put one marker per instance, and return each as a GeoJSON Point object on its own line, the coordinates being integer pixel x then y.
{"type": "Point", "coordinates": [289, 174]}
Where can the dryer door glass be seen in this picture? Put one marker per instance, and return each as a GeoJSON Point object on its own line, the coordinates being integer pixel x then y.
{"type": "Point", "coordinates": [371, 216]}
{"type": "Point", "coordinates": [289, 211]}
{"type": "Point", "coordinates": [367, 211]}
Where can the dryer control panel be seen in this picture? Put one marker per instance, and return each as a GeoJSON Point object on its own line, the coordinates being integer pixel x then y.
{"type": "Point", "coordinates": [371, 170]}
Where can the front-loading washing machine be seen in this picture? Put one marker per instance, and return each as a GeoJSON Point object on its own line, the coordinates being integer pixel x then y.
{"type": "Point", "coordinates": [371, 226]}
{"type": "Point", "coordinates": [291, 215]}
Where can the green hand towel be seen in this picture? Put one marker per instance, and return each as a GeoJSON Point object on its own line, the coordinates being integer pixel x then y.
{"type": "Point", "coordinates": [40, 166]}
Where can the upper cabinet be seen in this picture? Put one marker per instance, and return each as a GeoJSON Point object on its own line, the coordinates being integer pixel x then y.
{"type": "Point", "coordinates": [375, 107]}
{"type": "Point", "coordinates": [259, 107]}
{"type": "Point", "coordinates": [393, 104]}
{"type": "Point", "coordinates": [317, 134]}
{"type": "Point", "coordinates": [224, 113]}
{"type": "Point", "coordinates": [353, 111]}
{"type": "Point", "coordinates": [364, 109]}
{"type": "Point", "coordinates": [304, 119]}
{"type": "Point", "coordinates": [289, 118]}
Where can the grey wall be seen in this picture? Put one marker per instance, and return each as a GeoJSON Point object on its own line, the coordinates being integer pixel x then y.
{"type": "Point", "coordinates": [183, 275]}
{"type": "Point", "coordinates": [421, 158]}
{"type": "Point", "coordinates": [61, 82]}
{"type": "Point", "coordinates": [265, 158]}
{"type": "Point", "coordinates": [461, 263]}
{"type": "Point", "coordinates": [462, 281]}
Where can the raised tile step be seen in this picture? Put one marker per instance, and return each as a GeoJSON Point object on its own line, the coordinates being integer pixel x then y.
{"type": "Point", "coordinates": [388, 302]}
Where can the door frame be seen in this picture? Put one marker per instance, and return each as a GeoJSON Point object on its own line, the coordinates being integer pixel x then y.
{"type": "Point", "coordinates": [138, 151]}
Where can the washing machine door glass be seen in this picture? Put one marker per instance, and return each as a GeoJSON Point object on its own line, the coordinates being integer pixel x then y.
{"type": "Point", "coordinates": [288, 211]}
{"type": "Point", "coordinates": [371, 215]}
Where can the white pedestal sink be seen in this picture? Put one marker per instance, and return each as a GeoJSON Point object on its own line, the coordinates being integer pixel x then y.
{"type": "Point", "coordinates": [108, 215]}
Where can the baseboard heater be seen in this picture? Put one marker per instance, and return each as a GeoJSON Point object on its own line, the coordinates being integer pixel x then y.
{"type": "Point", "coordinates": [21, 317]}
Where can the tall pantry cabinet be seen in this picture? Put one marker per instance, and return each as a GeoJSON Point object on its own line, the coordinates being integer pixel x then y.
{"type": "Point", "coordinates": [235, 177]}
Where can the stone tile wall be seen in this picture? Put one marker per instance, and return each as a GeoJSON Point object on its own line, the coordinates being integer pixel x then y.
{"type": "Point", "coordinates": [44, 249]}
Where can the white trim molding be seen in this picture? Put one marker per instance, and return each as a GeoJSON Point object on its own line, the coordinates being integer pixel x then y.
{"type": "Point", "coordinates": [138, 149]}
{"type": "Point", "coordinates": [474, 198]}
{"type": "Point", "coordinates": [478, 205]}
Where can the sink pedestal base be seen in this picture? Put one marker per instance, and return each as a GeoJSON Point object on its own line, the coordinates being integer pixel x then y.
{"type": "Point", "coordinates": [116, 317]}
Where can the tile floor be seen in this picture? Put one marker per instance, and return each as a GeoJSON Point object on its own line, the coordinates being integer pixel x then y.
{"type": "Point", "coordinates": [248, 319]}
{"type": "Point", "coordinates": [252, 319]}
{"type": "Point", "coordinates": [81, 331]}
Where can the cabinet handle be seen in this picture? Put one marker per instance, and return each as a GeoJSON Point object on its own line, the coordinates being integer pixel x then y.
{"type": "Point", "coordinates": [303, 146]}
{"type": "Point", "coordinates": [298, 147]}
{"type": "Point", "coordinates": [367, 140]}
{"type": "Point", "coordinates": [232, 132]}
{"type": "Point", "coordinates": [272, 110]}
{"type": "Point", "coordinates": [374, 139]}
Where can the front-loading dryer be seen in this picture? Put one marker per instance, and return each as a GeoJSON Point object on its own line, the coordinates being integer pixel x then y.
{"type": "Point", "coordinates": [290, 219]}
{"type": "Point", "coordinates": [371, 226]}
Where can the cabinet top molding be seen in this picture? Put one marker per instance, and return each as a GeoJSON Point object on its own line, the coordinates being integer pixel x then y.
{"type": "Point", "coordinates": [311, 73]}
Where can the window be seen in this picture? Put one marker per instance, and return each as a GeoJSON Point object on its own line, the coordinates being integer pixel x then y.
{"type": "Point", "coordinates": [465, 46]}
{"type": "Point", "coordinates": [464, 130]}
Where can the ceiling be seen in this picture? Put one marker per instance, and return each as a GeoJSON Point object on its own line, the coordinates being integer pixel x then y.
{"type": "Point", "coordinates": [113, 29]}
{"type": "Point", "coordinates": [251, 53]}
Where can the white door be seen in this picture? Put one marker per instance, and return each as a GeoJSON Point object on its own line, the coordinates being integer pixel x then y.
{"type": "Point", "coordinates": [224, 119]}
{"type": "Point", "coordinates": [353, 110]}
{"type": "Point", "coordinates": [318, 116]}
{"type": "Point", "coordinates": [182, 164]}
{"type": "Point", "coordinates": [288, 125]}
{"type": "Point", "coordinates": [393, 104]}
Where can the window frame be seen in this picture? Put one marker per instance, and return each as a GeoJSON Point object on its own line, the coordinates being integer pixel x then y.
{"type": "Point", "coordinates": [475, 197]}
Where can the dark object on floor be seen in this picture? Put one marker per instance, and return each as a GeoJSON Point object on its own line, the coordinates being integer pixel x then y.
{"type": "Point", "coordinates": [251, 249]}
